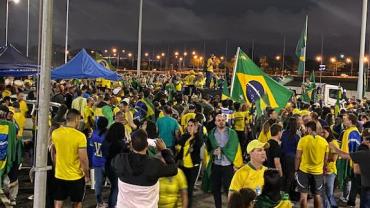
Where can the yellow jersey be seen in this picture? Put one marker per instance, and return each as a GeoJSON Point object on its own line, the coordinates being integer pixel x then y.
{"type": "Point", "coordinates": [67, 143]}
{"type": "Point", "coordinates": [20, 119]}
{"type": "Point", "coordinates": [248, 177]}
{"type": "Point", "coordinates": [313, 154]}
{"type": "Point", "coordinates": [169, 189]}
{"type": "Point", "coordinates": [331, 167]}
{"type": "Point", "coordinates": [239, 120]}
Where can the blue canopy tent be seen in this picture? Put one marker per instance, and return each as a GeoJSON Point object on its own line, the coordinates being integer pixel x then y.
{"type": "Point", "coordinates": [13, 63]}
{"type": "Point", "coordinates": [83, 66]}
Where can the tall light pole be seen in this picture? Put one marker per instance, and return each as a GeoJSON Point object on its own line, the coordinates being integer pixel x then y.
{"type": "Point", "coordinates": [7, 19]}
{"type": "Point", "coordinates": [139, 39]}
{"type": "Point", "coordinates": [66, 35]}
{"type": "Point", "coordinates": [360, 82]}
{"type": "Point", "coordinates": [43, 105]}
{"type": "Point", "coordinates": [28, 27]}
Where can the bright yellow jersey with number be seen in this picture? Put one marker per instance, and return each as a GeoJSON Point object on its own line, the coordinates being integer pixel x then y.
{"type": "Point", "coordinates": [248, 177]}
{"type": "Point", "coordinates": [239, 120]}
{"type": "Point", "coordinates": [169, 190]}
{"type": "Point", "coordinates": [68, 141]}
{"type": "Point", "coordinates": [313, 154]}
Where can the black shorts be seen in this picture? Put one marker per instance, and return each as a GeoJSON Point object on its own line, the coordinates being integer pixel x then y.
{"type": "Point", "coordinates": [73, 189]}
{"type": "Point", "coordinates": [309, 182]}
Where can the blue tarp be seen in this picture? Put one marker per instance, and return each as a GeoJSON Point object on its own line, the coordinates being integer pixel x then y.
{"type": "Point", "coordinates": [83, 66]}
{"type": "Point", "coordinates": [13, 63]}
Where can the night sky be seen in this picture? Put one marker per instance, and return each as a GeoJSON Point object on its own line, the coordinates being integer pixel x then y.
{"type": "Point", "coordinates": [188, 24]}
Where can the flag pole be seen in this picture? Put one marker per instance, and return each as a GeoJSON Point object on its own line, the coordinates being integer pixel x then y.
{"type": "Point", "coordinates": [138, 65]}
{"type": "Point", "coordinates": [360, 81]}
{"type": "Point", "coordinates": [235, 65]}
{"type": "Point", "coordinates": [304, 49]}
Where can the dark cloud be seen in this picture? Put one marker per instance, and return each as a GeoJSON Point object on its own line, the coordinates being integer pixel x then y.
{"type": "Point", "coordinates": [175, 23]}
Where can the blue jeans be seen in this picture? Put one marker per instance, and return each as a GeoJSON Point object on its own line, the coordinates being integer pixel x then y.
{"type": "Point", "coordinates": [330, 179]}
{"type": "Point", "coordinates": [365, 198]}
{"type": "Point", "coordinates": [113, 189]}
{"type": "Point", "coordinates": [99, 175]}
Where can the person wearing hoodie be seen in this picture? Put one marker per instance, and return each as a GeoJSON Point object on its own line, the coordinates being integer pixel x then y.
{"type": "Point", "coordinates": [138, 174]}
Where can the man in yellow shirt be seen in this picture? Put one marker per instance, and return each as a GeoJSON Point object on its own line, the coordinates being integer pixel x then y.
{"type": "Point", "coordinates": [311, 158]}
{"type": "Point", "coordinates": [251, 174]}
{"type": "Point", "coordinates": [240, 120]}
{"type": "Point", "coordinates": [71, 161]}
{"type": "Point", "coordinates": [22, 103]}
{"type": "Point", "coordinates": [211, 65]}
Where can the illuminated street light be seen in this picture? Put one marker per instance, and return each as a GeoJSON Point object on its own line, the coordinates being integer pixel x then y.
{"type": "Point", "coordinates": [318, 58]}
{"type": "Point", "coordinates": [129, 54]}
{"type": "Point", "coordinates": [348, 60]}
{"type": "Point", "coordinates": [105, 51]}
{"type": "Point", "coordinates": [342, 56]}
{"type": "Point", "coordinates": [277, 58]}
{"type": "Point", "coordinates": [163, 54]}
{"type": "Point", "coordinates": [176, 53]}
{"type": "Point", "coordinates": [333, 60]}
{"type": "Point", "coordinates": [222, 58]}
{"type": "Point", "coordinates": [114, 50]}
{"type": "Point", "coordinates": [123, 51]}
{"type": "Point", "coordinates": [201, 58]}
{"type": "Point", "coordinates": [114, 54]}
{"type": "Point", "coordinates": [67, 52]}
{"type": "Point", "coordinates": [195, 57]}
{"type": "Point", "coordinates": [158, 57]}
{"type": "Point", "coordinates": [366, 59]}
{"type": "Point", "coordinates": [146, 54]}
{"type": "Point", "coordinates": [180, 58]}
{"type": "Point", "coordinates": [193, 53]}
{"type": "Point", "coordinates": [92, 51]}
{"type": "Point", "coordinates": [185, 53]}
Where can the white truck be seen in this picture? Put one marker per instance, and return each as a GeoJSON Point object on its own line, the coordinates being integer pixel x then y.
{"type": "Point", "coordinates": [328, 92]}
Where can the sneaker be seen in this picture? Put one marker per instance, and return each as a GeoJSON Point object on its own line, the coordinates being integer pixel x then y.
{"type": "Point", "coordinates": [343, 199]}
{"type": "Point", "coordinates": [13, 202]}
{"type": "Point", "coordinates": [102, 205]}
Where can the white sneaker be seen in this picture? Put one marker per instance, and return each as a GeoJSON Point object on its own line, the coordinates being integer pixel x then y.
{"type": "Point", "coordinates": [343, 199]}
{"type": "Point", "coordinates": [102, 205]}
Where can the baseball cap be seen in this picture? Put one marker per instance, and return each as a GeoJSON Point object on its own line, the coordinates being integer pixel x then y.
{"type": "Point", "coordinates": [254, 144]}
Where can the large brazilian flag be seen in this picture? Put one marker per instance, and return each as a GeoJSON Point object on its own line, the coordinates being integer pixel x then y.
{"type": "Point", "coordinates": [250, 84]}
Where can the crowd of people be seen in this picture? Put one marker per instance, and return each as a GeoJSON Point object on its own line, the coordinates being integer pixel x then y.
{"type": "Point", "coordinates": [155, 137]}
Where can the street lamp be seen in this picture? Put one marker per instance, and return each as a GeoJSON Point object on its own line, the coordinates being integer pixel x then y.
{"type": "Point", "coordinates": [146, 54]}
{"type": "Point", "coordinates": [114, 50]}
{"type": "Point", "coordinates": [333, 60]}
{"type": "Point", "coordinates": [132, 61]}
{"type": "Point", "coordinates": [7, 19]}
{"type": "Point", "coordinates": [277, 58]}
{"type": "Point", "coordinates": [193, 53]}
{"type": "Point", "coordinates": [318, 59]}
{"type": "Point", "coordinates": [105, 51]}
{"type": "Point", "coordinates": [163, 54]}
{"type": "Point", "coordinates": [176, 53]}
{"type": "Point", "coordinates": [349, 61]}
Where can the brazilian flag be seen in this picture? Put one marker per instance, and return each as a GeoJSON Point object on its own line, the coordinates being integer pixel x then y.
{"type": "Point", "coordinates": [308, 94]}
{"type": "Point", "coordinates": [250, 83]}
{"type": "Point", "coordinates": [100, 59]}
{"type": "Point", "coordinates": [225, 91]}
{"type": "Point", "coordinates": [301, 49]}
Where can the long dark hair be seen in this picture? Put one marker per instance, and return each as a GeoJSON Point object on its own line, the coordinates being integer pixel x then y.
{"type": "Point", "coordinates": [272, 184]}
{"type": "Point", "coordinates": [331, 135]}
{"type": "Point", "coordinates": [101, 125]}
{"type": "Point", "coordinates": [292, 127]}
{"type": "Point", "coordinates": [116, 132]}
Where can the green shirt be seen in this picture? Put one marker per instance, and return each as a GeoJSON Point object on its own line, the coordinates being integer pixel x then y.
{"type": "Point", "coordinates": [167, 128]}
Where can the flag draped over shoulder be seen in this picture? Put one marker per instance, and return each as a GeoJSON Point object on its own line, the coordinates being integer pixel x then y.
{"type": "Point", "coordinates": [250, 83]}
{"type": "Point", "coordinates": [225, 91]}
{"type": "Point", "coordinates": [231, 150]}
{"type": "Point", "coordinates": [301, 50]}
